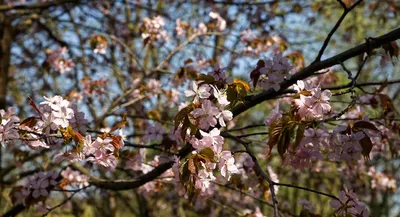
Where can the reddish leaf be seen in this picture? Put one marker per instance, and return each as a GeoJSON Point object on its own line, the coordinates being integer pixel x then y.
{"type": "Point", "coordinates": [299, 135]}
{"type": "Point", "coordinates": [192, 166]}
{"type": "Point", "coordinates": [365, 125]}
{"type": "Point", "coordinates": [255, 74]}
{"type": "Point", "coordinates": [31, 103]}
{"type": "Point", "coordinates": [366, 146]}
{"type": "Point", "coordinates": [119, 124]}
{"type": "Point", "coordinates": [29, 122]}
{"type": "Point", "coordinates": [284, 141]}
{"type": "Point", "coordinates": [274, 132]}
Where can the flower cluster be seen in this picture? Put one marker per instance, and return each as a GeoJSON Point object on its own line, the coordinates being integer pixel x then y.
{"type": "Point", "coordinates": [39, 185]}
{"type": "Point", "coordinates": [313, 102]}
{"type": "Point", "coordinates": [154, 133]}
{"type": "Point", "coordinates": [347, 146]}
{"type": "Point", "coordinates": [75, 178]}
{"type": "Point", "coordinates": [209, 114]}
{"type": "Point", "coordinates": [9, 122]}
{"type": "Point", "coordinates": [214, 141]}
{"type": "Point", "coordinates": [381, 181]}
{"type": "Point", "coordinates": [309, 149]}
{"type": "Point", "coordinates": [274, 72]}
{"type": "Point", "coordinates": [219, 74]}
{"type": "Point", "coordinates": [60, 121]}
{"type": "Point", "coordinates": [152, 29]}
{"type": "Point", "coordinates": [56, 60]}
{"type": "Point", "coordinates": [349, 205]}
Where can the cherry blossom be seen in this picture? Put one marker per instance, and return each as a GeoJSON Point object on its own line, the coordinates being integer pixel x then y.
{"type": "Point", "coordinates": [59, 63]}
{"type": "Point", "coordinates": [206, 114]}
{"type": "Point", "coordinates": [75, 178]}
{"type": "Point", "coordinates": [219, 74]}
{"type": "Point", "coordinates": [205, 176]}
{"type": "Point", "coordinates": [38, 185]}
{"type": "Point", "coordinates": [202, 92]}
{"type": "Point", "coordinates": [227, 165]}
{"type": "Point", "coordinates": [9, 122]}
{"type": "Point", "coordinates": [347, 147]}
{"type": "Point", "coordinates": [153, 29]}
{"type": "Point", "coordinates": [349, 205]}
{"type": "Point", "coordinates": [274, 72]}
{"type": "Point", "coordinates": [154, 133]}
{"type": "Point", "coordinates": [101, 152]}
{"type": "Point", "coordinates": [316, 105]}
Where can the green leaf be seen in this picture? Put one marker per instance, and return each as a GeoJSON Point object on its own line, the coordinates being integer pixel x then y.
{"type": "Point", "coordinates": [231, 94]}
{"type": "Point", "coordinates": [299, 135]}
{"type": "Point", "coordinates": [208, 153]}
{"type": "Point", "coordinates": [185, 174]}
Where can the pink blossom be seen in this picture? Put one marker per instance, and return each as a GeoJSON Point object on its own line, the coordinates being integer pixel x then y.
{"type": "Point", "coordinates": [8, 125]}
{"type": "Point", "coordinates": [102, 152]}
{"type": "Point", "coordinates": [40, 183]}
{"type": "Point", "coordinates": [224, 115]}
{"type": "Point", "coordinates": [316, 105]}
{"type": "Point", "coordinates": [75, 178]}
{"type": "Point", "coordinates": [347, 147]}
{"type": "Point", "coordinates": [179, 28]}
{"type": "Point", "coordinates": [153, 29]}
{"type": "Point", "coordinates": [220, 96]}
{"type": "Point", "coordinates": [219, 74]}
{"type": "Point", "coordinates": [227, 165]}
{"type": "Point", "coordinates": [206, 114]}
{"type": "Point", "coordinates": [60, 110]}
{"type": "Point", "coordinates": [202, 92]}
{"type": "Point", "coordinates": [349, 205]}
{"type": "Point", "coordinates": [154, 133]}
{"type": "Point", "coordinates": [205, 176]}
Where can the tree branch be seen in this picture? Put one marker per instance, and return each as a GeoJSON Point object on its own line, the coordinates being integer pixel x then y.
{"type": "Point", "coordinates": [330, 34]}
{"type": "Point", "coordinates": [43, 5]}
{"type": "Point", "coordinates": [314, 67]}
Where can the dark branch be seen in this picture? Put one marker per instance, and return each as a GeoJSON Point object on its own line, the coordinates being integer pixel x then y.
{"type": "Point", "coordinates": [43, 5]}
{"type": "Point", "coordinates": [314, 67]}
{"type": "Point", "coordinates": [330, 34]}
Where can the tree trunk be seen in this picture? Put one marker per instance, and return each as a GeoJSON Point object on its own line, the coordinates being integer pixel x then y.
{"type": "Point", "coordinates": [5, 53]}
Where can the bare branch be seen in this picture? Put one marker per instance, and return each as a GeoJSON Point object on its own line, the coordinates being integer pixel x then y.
{"type": "Point", "coordinates": [42, 5]}
{"type": "Point", "coordinates": [330, 34]}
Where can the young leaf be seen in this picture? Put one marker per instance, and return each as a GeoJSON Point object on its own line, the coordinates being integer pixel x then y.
{"type": "Point", "coordinates": [299, 135]}
{"type": "Point", "coordinates": [274, 132]}
{"type": "Point", "coordinates": [208, 154]}
{"type": "Point", "coordinates": [284, 141]}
